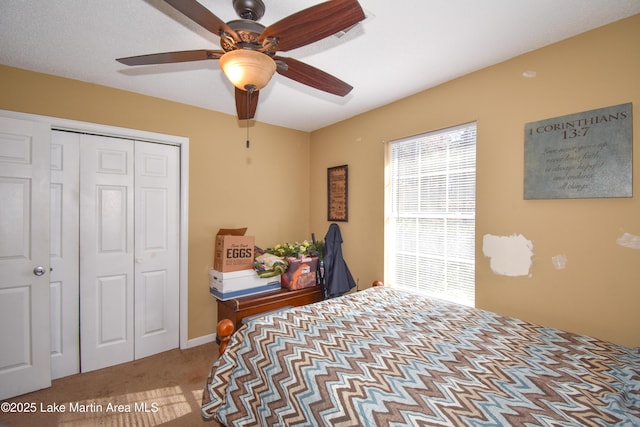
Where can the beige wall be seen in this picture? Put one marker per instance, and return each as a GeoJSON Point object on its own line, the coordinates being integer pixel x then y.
{"type": "Point", "coordinates": [230, 185]}
{"type": "Point", "coordinates": [599, 291]}
{"type": "Point", "coordinates": [269, 191]}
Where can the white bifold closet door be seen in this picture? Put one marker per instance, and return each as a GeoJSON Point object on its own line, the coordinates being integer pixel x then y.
{"type": "Point", "coordinates": [129, 257]}
{"type": "Point", "coordinates": [106, 252]}
{"type": "Point", "coordinates": [64, 254]}
{"type": "Point", "coordinates": [156, 268]}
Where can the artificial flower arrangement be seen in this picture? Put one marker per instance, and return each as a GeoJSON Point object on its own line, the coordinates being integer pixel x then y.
{"type": "Point", "coordinates": [297, 250]}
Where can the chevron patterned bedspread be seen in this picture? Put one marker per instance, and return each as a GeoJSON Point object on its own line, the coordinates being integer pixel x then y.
{"type": "Point", "coordinates": [383, 357]}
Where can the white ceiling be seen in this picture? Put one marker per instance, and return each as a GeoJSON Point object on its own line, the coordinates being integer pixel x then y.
{"type": "Point", "coordinates": [402, 47]}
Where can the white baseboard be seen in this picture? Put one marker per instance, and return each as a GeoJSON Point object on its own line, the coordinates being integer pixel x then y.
{"type": "Point", "coordinates": [205, 339]}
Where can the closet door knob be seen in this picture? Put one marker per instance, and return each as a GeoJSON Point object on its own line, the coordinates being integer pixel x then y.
{"type": "Point", "coordinates": [139, 260]}
{"type": "Point", "coordinates": [38, 271]}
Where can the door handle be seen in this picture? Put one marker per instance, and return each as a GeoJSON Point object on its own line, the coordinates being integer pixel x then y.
{"type": "Point", "coordinates": [38, 271]}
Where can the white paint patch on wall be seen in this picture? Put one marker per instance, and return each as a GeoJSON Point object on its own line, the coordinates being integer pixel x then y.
{"type": "Point", "coordinates": [510, 255]}
{"type": "Point", "coordinates": [559, 261]}
{"type": "Point", "coordinates": [629, 241]}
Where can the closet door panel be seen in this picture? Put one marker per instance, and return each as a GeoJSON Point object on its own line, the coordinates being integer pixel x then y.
{"type": "Point", "coordinates": [111, 310]}
{"type": "Point", "coordinates": [152, 292]}
{"type": "Point", "coordinates": [112, 214]}
{"type": "Point", "coordinates": [64, 253]}
{"type": "Point", "coordinates": [106, 251]}
{"type": "Point", "coordinates": [157, 254]}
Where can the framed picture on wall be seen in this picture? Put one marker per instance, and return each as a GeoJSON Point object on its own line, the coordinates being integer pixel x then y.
{"type": "Point", "coordinates": [337, 193]}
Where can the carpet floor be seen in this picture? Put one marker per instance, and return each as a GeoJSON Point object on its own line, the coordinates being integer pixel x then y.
{"type": "Point", "coordinates": [160, 390]}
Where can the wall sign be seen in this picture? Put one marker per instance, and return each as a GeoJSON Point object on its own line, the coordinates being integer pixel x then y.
{"type": "Point", "coordinates": [583, 155]}
{"type": "Point", "coordinates": [337, 193]}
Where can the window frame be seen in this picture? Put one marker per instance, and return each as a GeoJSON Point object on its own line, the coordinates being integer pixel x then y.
{"type": "Point", "coordinates": [466, 271]}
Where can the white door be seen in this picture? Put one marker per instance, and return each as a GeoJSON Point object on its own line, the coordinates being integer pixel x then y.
{"type": "Point", "coordinates": [24, 257]}
{"type": "Point", "coordinates": [129, 250]}
{"type": "Point", "coordinates": [156, 248]}
{"type": "Point", "coordinates": [65, 241]}
{"type": "Point", "coordinates": [106, 252]}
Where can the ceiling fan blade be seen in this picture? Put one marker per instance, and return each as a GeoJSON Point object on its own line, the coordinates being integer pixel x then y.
{"type": "Point", "coordinates": [311, 76]}
{"type": "Point", "coordinates": [314, 23]}
{"type": "Point", "coordinates": [202, 16]}
{"type": "Point", "coordinates": [169, 57]}
{"type": "Point", "coordinates": [246, 103]}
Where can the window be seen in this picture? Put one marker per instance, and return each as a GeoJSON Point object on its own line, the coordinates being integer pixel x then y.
{"type": "Point", "coordinates": [430, 205]}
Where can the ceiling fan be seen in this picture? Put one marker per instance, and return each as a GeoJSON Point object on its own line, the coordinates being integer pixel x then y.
{"type": "Point", "coordinates": [249, 57]}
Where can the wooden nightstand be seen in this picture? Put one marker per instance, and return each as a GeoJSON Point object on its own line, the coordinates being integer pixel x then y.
{"type": "Point", "coordinates": [239, 308]}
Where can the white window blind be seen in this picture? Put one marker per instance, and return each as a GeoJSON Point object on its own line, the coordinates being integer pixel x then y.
{"type": "Point", "coordinates": [431, 236]}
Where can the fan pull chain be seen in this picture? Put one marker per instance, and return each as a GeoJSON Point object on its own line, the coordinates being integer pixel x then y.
{"type": "Point", "coordinates": [250, 89]}
{"type": "Point", "coordinates": [248, 108]}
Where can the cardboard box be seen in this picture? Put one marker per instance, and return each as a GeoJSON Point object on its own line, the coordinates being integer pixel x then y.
{"type": "Point", "coordinates": [233, 250]}
{"type": "Point", "coordinates": [241, 283]}
{"type": "Point", "coordinates": [301, 273]}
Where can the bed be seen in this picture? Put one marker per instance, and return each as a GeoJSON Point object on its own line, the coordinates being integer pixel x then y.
{"type": "Point", "coordinates": [385, 357]}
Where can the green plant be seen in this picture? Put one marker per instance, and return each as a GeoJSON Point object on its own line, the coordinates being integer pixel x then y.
{"type": "Point", "coordinates": [298, 249]}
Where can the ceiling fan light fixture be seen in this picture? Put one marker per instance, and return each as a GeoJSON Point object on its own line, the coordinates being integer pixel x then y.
{"type": "Point", "coordinates": [247, 68]}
